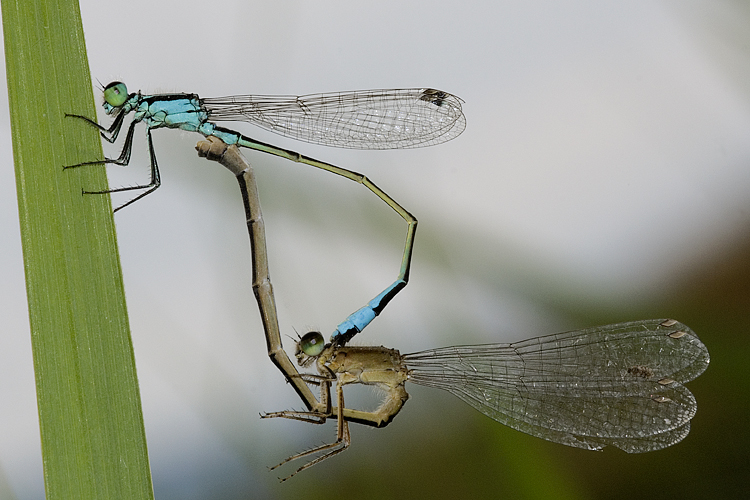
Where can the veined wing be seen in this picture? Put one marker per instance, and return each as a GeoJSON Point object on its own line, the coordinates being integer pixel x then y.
{"type": "Point", "coordinates": [366, 119]}
{"type": "Point", "coordinates": [618, 385]}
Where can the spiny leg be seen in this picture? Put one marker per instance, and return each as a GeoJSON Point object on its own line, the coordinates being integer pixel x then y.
{"type": "Point", "coordinates": [109, 134]}
{"type": "Point", "coordinates": [153, 184]}
{"type": "Point", "coordinates": [343, 439]}
{"type": "Point", "coordinates": [316, 416]}
{"type": "Point", "coordinates": [323, 410]}
{"type": "Point", "coordinates": [124, 159]}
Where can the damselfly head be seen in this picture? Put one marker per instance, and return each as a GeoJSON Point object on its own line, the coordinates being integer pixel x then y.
{"type": "Point", "coordinates": [115, 95]}
{"type": "Point", "coordinates": [309, 347]}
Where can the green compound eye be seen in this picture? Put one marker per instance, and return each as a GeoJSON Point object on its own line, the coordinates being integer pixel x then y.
{"type": "Point", "coordinates": [115, 94]}
{"type": "Point", "coordinates": [312, 344]}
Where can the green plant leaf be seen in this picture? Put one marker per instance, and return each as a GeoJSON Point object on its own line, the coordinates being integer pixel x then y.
{"type": "Point", "coordinates": [93, 439]}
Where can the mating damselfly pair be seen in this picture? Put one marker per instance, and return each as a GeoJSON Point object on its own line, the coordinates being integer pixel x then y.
{"type": "Point", "coordinates": [618, 385]}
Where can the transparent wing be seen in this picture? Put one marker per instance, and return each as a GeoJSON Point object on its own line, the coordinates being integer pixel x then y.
{"type": "Point", "coordinates": [618, 385]}
{"type": "Point", "coordinates": [366, 119]}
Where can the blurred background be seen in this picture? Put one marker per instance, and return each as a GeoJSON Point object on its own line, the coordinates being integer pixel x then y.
{"type": "Point", "coordinates": [604, 176]}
